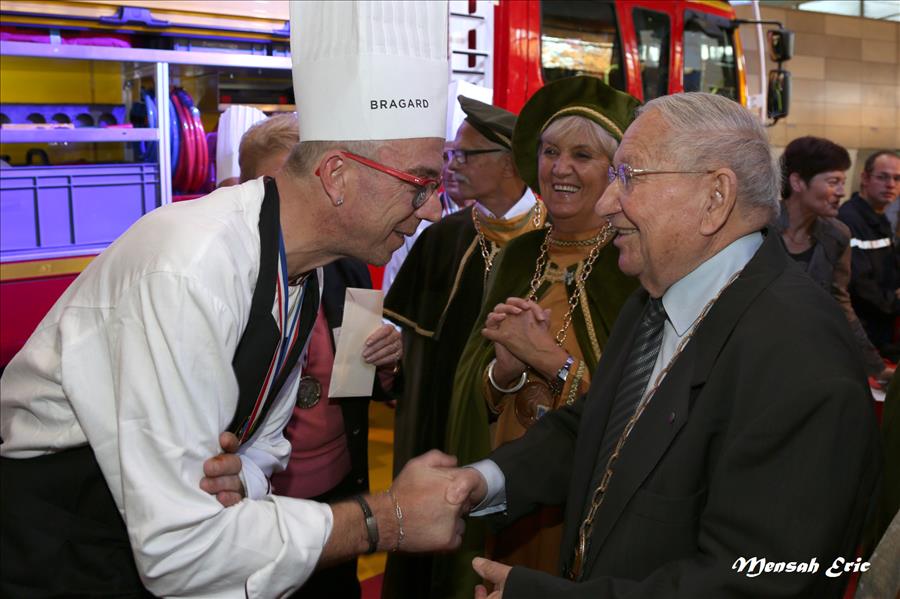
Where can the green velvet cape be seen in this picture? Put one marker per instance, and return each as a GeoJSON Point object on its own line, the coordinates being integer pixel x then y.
{"type": "Point", "coordinates": [468, 438]}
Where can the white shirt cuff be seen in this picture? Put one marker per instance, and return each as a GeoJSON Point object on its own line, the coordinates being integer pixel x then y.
{"type": "Point", "coordinates": [256, 485]}
{"type": "Point", "coordinates": [495, 499]}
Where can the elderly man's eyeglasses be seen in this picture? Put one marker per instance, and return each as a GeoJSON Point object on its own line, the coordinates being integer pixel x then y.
{"type": "Point", "coordinates": [625, 173]}
{"type": "Point", "coordinates": [425, 187]}
{"type": "Point", "coordinates": [462, 156]}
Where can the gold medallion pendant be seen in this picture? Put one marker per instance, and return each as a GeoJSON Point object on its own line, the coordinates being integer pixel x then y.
{"type": "Point", "coordinates": [309, 392]}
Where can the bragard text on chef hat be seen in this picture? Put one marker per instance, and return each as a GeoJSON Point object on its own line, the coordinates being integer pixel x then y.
{"type": "Point", "coordinates": [370, 70]}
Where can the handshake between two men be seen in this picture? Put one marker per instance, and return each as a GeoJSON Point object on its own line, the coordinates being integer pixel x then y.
{"type": "Point", "coordinates": [422, 511]}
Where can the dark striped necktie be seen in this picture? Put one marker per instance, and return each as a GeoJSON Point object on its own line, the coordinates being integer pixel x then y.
{"type": "Point", "coordinates": [641, 360]}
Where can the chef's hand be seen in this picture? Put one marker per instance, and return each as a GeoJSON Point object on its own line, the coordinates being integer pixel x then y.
{"type": "Point", "coordinates": [493, 573]}
{"type": "Point", "coordinates": [383, 347]}
{"type": "Point", "coordinates": [223, 473]}
{"type": "Point", "coordinates": [432, 515]}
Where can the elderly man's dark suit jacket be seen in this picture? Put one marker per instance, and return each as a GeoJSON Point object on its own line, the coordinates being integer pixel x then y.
{"type": "Point", "coordinates": [760, 442]}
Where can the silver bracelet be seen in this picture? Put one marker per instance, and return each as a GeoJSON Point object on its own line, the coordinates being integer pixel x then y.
{"type": "Point", "coordinates": [399, 513]}
{"type": "Point", "coordinates": [513, 389]}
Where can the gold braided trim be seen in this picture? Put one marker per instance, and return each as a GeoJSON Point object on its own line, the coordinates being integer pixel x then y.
{"type": "Point", "coordinates": [576, 383]}
{"type": "Point", "coordinates": [414, 325]}
{"type": "Point", "coordinates": [586, 112]}
{"type": "Point", "coordinates": [408, 323]}
{"type": "Point", "coordinates": [459, 272]}
{"type": "Point", "coordinates": [588, 320]}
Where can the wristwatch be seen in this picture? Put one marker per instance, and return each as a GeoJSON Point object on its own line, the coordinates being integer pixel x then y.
{"type": "Point", "coordinates": [561, 376]}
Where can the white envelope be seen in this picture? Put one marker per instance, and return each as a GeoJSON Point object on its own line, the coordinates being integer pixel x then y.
{"type": "Point", "coordinates": [351, 375]}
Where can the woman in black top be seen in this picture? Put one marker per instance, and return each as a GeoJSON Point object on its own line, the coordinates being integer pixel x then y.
{"type": "Point", "coordinates": [813, 177]}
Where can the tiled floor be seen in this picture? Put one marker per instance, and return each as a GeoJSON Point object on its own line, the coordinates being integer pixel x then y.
{"type": "Point", "coordinates": [381, 454]}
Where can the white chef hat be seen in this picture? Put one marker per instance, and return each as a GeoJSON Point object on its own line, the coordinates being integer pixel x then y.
{"type": "Point", "coordinates": [234, 122]}
{"type": "Point", "coordinates": [370, 69]}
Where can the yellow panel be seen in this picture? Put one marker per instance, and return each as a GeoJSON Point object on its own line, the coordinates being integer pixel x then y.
{"type": "Point", "coordinates": [720, 4]}
{"type": "Point", "coordinates": [41, 80]}
{"type": "Point", "coordinates": [106, 82]}
{"type": "Point", "coordinates": [277, 9]}
{"type": "Point", "coordinates": [43, 268]}
{"type": "Point", "coordinates": [56, 81]}
{"type": "Point", "coordinates": [262, 17]}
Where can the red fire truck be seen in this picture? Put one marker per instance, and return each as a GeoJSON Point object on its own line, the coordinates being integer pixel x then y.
{"type": "Point", "coordinates": [225, 52]}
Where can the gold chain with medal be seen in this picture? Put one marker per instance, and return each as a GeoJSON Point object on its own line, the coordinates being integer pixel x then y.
{"type": "Point", "coordinates": [587, 525]}
{"type": "Point", "coordinates": [536, 398]}
{"type": "Point", "coordinates": [309, 391]}
{"type": "Point", "coordinates": [487, 254]}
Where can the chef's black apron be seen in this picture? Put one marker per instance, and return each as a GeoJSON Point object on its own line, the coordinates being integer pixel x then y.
{"type": "Point", "coordinates": [61, 534]}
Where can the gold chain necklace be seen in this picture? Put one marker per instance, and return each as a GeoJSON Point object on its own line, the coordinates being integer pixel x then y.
{"type": "Point", "coordinates": [487, 254]}
{"type": "Point", "coordinates": [600, 240]}
{"type": "Point", "coordinates": [587, 526]}
{"type": "Point", "coordinates": [573, 243]}
{"type": "Point", "coordinates": [537, 396]}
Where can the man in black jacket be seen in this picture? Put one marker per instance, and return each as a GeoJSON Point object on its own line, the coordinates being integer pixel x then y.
{"type": "Point", "coordinates": [875, 266]}
{"type": "Point", "coordinates": [727, 446]}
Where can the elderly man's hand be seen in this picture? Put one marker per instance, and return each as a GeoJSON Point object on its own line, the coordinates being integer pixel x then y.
{"type": "Point", "coordinates": [493, 573]}
{"type": "Point", "coordinates": [223, 473]}
{"type": "Point", "coordinates": [383, 347]}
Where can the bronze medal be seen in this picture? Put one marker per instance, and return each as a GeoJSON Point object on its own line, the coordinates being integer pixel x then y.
{"type": "Point", "coordinates": [532, 402]}
{"type": "Point", "coordinates": [309, 392]}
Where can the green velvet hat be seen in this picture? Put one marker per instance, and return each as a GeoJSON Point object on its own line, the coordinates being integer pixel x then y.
{"type": "Point", "coordinates": [493, 122]}
{"type": "Point", "coordinates": [582, 96]}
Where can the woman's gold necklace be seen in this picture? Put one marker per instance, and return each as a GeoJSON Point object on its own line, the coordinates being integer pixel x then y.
{"type": "Point", "coordinates": [599, 241]}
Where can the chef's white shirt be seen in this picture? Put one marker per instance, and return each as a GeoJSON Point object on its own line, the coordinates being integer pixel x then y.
{"type": "Point", "coordinates": [135, 359]}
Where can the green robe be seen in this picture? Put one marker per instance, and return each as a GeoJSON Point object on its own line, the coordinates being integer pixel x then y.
{"type": "Point", "coordinates": [435, 298]}
{"type": "Point", "coordinates": [468, 437]}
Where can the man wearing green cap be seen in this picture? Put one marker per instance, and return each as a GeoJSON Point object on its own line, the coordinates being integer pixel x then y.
{"type": "Point", "coordinates": [437, 294]}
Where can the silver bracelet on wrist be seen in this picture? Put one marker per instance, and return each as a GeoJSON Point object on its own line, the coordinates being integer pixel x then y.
{"type": "Point", "coordinates": [399, 513]}
{"type": "Point", "coordinates": [514, 388]}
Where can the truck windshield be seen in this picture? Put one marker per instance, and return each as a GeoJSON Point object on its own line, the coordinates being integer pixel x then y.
{"type": "Point", "coordinates": [653, 31]}
{"type": "Point", "coordinates": [709, 57]}
{"type": "Point", "coordinates": [581, 38]}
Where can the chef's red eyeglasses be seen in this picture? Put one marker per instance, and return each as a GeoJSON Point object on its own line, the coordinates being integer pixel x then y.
{"type": "Point", "coordinates": [425, 187]}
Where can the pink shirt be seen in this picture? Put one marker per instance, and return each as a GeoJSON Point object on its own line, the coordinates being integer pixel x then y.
{"type": "Point", "coordinates": [319, 455]}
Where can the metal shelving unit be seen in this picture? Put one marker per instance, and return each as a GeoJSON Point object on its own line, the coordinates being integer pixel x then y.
{"type": "Point", "coordinates": [200, 58]}
{"type": "Point", "coordinates": [19, 136]}
{"type": "Point", "coordinates": [159, 61]}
